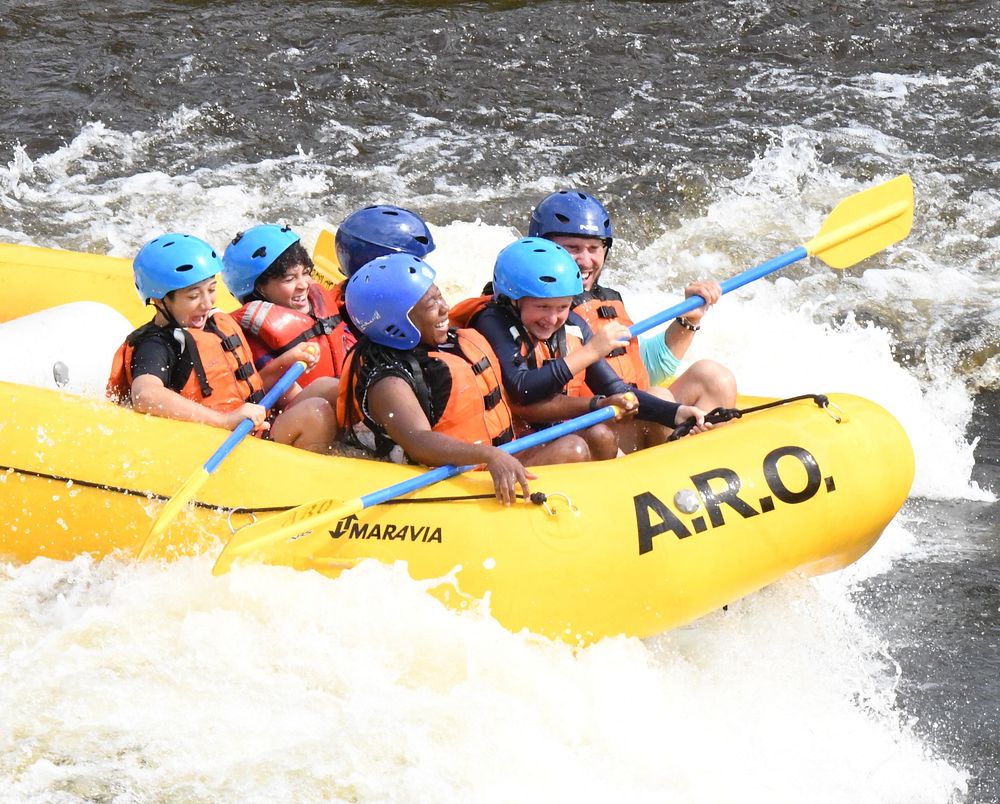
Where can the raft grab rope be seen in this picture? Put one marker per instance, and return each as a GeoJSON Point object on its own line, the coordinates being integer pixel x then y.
{"type": "Point", "coordinates": [719, 415]}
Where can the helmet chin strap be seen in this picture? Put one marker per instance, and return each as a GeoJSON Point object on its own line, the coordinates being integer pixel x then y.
{"type": "Point", "coordinates": [162, 309]}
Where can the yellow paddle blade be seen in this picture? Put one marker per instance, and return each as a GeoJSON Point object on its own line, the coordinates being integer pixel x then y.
{"type": "Point", "coordinates": [172, 508]}
{"type": "Point", "coordinates": [865, 223]}
{"type": "Point", "coordinates": [325, 259]}
{"type": "Point", "coordinates": [271, 536]}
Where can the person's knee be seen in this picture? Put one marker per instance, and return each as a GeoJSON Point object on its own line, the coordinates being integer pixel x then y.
{"type": "Point", "coordinates": [325, 388]}
{"type": "Point", "coordinates": [603, 442]}
{"type": "Point", "coordinates": [662, 393]}
{"type": "Point", "coordinates": [310, 425]}
{"type": "Point", "coordinates": [572, 449]}
{"type": "Point", "coordinates": [717, 381]}
{"type": "Point", "coordinates": [326, 418]}
{"type": "Point", "coordinates": [723, 384]}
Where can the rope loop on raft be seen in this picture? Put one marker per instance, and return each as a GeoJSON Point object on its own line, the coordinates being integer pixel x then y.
{"type": "Point", "coordinates": [542, 499]}
{"type": "Point", "coordinates": [720, 415]}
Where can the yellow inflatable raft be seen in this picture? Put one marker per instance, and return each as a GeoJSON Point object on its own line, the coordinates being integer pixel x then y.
{"type": "Point", "coordinates": [635, 546]}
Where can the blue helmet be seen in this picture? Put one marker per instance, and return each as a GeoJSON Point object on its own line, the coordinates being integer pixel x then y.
{"type": "Point", "coordinates": [570, 212]}
{"type": "Point", "coordinates": [171, 262]}
{"type": "Point", "coordinates": [379, 230]}
{"type": "Point", "coordinates": [251, 253]}
{"type": "Point", "coordinates": [381, 294]}
{"type": "Point", "coordinates": [537, 268]}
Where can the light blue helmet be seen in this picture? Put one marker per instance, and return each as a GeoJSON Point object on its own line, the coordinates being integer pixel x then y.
{"type": "Point", "coordinates": [381, 294]}
{"type": "Point", "coordinates": [251, 253]}
{"type": "Point", "coordinates": [379, 230]}
{"type": "Point", "coordinates": [570, 212]}
{"type": "Point", "coordinates": [171, 262]}
{"type": "Point", "coordinates": [536, 268]}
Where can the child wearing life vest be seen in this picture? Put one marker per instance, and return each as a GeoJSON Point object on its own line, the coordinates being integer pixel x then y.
{"type": "Point", "coordinates": [192, 363]}
{"type": "Point", "coordinates": [284, 309]}
{"type": "Point", "coordinates": [552, 362]}
{"type": "Point", "coordinates": [414, 388]}
{"type": "Point", "coordinates": [580, 224]}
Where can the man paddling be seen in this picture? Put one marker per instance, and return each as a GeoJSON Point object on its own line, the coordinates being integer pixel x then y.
{"type": "Point", "coordinates": [580, 224]}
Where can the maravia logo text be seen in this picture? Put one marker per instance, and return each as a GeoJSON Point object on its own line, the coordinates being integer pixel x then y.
{"type": "Point", "coordinates": [354, 529]}
{"type": "Point", "coordinates": [721, 487]}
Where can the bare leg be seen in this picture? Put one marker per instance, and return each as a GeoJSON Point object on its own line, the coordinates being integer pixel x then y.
{"type": "Point", "coordinates": [706, 385]}
{"type": "Point", "coordinates": [635, 435]}
{"type": "Point", "coordinates": [568, 449]}
{"type": "Point", "coordinates": [323, 388]}
{"type": "Point", "coordinates": [602, 440]}
{"type": "Point", "coordinates": [310, 424]}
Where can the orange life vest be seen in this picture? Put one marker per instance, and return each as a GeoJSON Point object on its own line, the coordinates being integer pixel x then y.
{"type": "Point", "coordinates": [476, 410]}
{"type": "Point", "coordinates": [536, 353]}
{"type": "Point", "coordinates": [461, 315]}
{"type": "Point", "coordinates": [600, 306]}
{"type": "Point", "coordinates": [273, 329]}
{"type": "Point", "coordinates": [222, 375]}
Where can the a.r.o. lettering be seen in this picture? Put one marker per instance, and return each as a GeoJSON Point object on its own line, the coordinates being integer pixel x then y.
{"type": "Point", "coordinates": [778, 486]}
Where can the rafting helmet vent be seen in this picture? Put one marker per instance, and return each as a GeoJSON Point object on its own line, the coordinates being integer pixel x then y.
{"type": "Point", "coordinates": [173, 261]}
{"type": "Point", "coordinates": [571, 212]}
{"type": "Point", "coordinates": [536, 268]}
{"type": "Point", "coordinates": [379, 230]}
{"type": "Point", "coordinates": [251, 253]}
{"type": "Point", "coordinates": [381, 294]}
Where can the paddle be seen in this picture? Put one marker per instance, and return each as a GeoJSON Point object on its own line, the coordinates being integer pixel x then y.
{"type": "Point", "coordinates": [273, 532]}
{"type": "Point", "coordinates": [859, 226]}
{"type": "Point", "coordinates": [325, 259]}
{"type": "Point", "coordinates": [184, 494]}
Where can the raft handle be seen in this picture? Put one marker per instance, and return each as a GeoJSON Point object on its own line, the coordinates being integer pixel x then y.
{"type": "Point", "coordinates": [829, 407]}
{"type": "Point", "coordinates": [229, 520]}
{"type": "Point", "coordinates": [540, 498]}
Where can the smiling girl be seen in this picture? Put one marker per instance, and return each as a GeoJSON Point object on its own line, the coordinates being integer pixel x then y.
{"type": "Point", "coordinates": [284, 309]}
{"type": "Point", "coordinates": [416, 389]}
{"type": "Point", "coordinates": [191, 362]}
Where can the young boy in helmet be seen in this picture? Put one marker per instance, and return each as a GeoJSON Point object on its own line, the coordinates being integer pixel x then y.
{"type": "Point", "coordinates": [192, 363]}
{"type": "Point", "coordinates": [552, 362]}
{"type": "Point", "coordinates": [284, 309]}
{"type": "Point", "coordinates": [580, 224]}
{"type": "Point", "coordinates": [414, 386]}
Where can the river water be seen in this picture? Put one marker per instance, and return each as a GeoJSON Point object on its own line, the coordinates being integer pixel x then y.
{"type": "Point", "coordinates": [719, 135]}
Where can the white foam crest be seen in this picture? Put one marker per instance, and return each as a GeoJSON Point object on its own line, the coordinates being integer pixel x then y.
{"type": "Point", "coordinates": [785, 337]}
{"type": "Point", "coordinates": [90, 187]}
{"type": "Point", "coordinates": [897, 87]}
{"type": "Point", "coordinates": [161, 681]}
{"type": "Point", "coordinates": [465, 254]}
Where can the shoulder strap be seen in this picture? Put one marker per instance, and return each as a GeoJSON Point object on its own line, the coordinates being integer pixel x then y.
{"type": "Point", "coordinates": [188, 358]}
{"type": "Point", "coordinates": [323, 326]}
{"type": "Point", "coordinates": [420, 389]}
{"type": "Point", "coordinates": [192, 351]}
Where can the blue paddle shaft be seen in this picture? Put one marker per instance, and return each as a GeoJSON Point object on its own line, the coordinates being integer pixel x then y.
{"type": "Point", "coordinates": [277, 391]}
{"type": "Point", "coordinates": [512, 447]}
{"type": "Point", "coordinates": [738, 281]}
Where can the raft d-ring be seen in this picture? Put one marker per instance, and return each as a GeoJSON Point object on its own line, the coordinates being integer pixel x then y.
{"type": "Point", "coordinates": [229, 520]}
{"type": "Point", "coordinates": [569, 503]}
{"type": "Point", "coordinates": [834, 416]}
